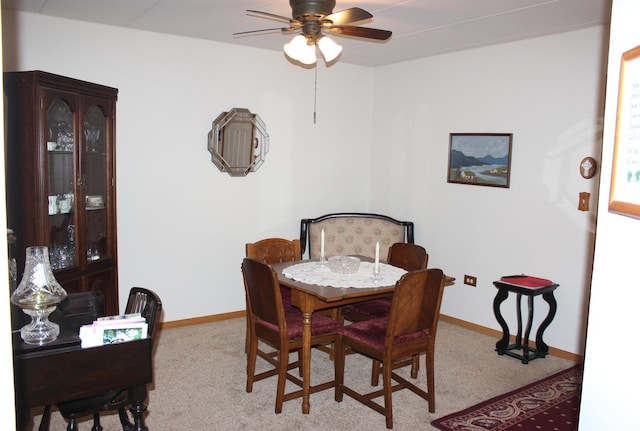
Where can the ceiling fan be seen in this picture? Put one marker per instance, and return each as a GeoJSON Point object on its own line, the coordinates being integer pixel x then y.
{"type": "Point", "coordinates": [310, 18]}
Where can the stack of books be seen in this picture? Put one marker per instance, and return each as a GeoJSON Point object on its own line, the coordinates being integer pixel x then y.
{"type": "Point", "coordinates": [113, 329]}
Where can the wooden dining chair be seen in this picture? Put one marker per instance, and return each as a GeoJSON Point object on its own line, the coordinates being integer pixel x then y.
{"type": "Point", "coordinates": [275, 250]}
{"type": "Point", "coordinates": [409, 330]}
{"type": "Point", "coordinates": [279, 331]}
{"type": "Point", "coordinates": [409, 257]}
{"type": "Point", "coordinates": [148, 304]}
{"type": "Point", "coordinates": [270, 251]}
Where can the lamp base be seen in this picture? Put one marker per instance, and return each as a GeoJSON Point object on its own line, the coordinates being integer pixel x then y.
{"type": "Point", "coordinates": [41, 330]}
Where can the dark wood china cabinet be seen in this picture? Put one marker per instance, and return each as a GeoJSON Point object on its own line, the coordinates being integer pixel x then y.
{"type": "Point", "coordinates": [60, 172]}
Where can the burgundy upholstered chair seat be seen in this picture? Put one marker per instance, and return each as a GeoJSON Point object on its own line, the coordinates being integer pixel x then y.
{"type": "Point", "coordinates": [285, 293]}
{"type": "Point", "coordinates": [373, 309]}
{"type": "Point", "coordinates": [373, 332]}
{"type": "Point", "coordinates": [320, 324]}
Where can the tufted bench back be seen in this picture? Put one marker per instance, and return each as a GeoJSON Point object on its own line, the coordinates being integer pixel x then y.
{"type": "Point", "coordinates": [353, 234]}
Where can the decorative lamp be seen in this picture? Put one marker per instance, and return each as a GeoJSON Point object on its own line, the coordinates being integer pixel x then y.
{"type": "Point", "coordinates": [37, 295]}
{"type": "Point", "coordinates": [329, 49]}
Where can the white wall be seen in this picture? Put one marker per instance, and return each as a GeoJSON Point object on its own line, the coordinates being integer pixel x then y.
{"type": "Point", "coordinates": [611, 378]}
{"type": "Point", "coordinates": [183, 225]}
{"type": "Point", "coordinates": [547, 92]}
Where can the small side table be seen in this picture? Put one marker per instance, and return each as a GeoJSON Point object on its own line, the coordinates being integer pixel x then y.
{"type": "Point", "coordinates": [522, 342]}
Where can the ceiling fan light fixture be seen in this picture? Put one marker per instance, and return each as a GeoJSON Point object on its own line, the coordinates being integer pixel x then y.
{"type": "Point", "coordinates": [298, 49]}
{"type": "Point", "coordinates": [329, 49]}
{"type": "Point", "coordinates": [311, 17]}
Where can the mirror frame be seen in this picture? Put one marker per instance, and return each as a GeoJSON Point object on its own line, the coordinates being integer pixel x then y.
{"type": "Point", "coordinates": [238, 142]}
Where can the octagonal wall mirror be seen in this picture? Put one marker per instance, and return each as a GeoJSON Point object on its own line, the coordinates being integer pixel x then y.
{"type": "Point", "coordinates": [238, 142]}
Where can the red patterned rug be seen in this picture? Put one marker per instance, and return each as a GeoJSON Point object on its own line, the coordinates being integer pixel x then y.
{"type": "Point", "coordinates": [550, 404]}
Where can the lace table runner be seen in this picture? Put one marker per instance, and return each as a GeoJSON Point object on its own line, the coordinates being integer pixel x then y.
{"type": "Point", "coordinates": [314, 273]}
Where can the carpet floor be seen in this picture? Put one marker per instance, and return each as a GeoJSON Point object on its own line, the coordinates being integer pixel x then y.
{"type": "Point", "coordinates": [200, 375]}
{"type": "Point", "coordinates": [550, 404]}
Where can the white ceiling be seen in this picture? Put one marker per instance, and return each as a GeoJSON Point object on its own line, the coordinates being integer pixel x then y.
{"type": "Point", "coordinates": [421, 28]}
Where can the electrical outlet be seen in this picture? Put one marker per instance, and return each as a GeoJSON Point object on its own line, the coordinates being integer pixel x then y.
{"type": "Point", "coordinates": [470, 280]}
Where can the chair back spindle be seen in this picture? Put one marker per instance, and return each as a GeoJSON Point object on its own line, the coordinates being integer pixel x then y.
{"type": "Point", "coordinates": [147, 303]}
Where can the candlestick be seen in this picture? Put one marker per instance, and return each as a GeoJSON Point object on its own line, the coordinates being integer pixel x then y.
{"type": "Point", "coordinates": [322, 257]}
{"type": "Point", "coordinates": [376, 265]}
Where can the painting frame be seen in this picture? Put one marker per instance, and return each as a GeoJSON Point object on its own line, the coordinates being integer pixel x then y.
{"type": "Point", "coordinates": [480, 159]}
{"type": "Point", "coordinates": [624, 195]}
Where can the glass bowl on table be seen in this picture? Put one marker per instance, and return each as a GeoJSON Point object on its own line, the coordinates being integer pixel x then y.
{"type": "Point", "coordinates": [344, 264]}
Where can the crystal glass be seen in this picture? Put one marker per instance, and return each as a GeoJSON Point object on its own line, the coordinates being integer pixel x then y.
{"type": "Point", "coordinates": [37, 295]}
{"type": "Point", "coordinates": [92, 135]}
{"type": "Point", "coordinates": [344, 264]}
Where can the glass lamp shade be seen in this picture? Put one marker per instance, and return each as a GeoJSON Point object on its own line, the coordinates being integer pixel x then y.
{"type": "Point", "coordinates": [329, 49]}
{"type": "Point", "coordinates": [37, 295]}
{"type": "Point", "coordinates": [298, 49]}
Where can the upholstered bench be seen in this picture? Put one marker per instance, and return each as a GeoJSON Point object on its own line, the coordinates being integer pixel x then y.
{"type": "Point", "coordinates": [353, 234]}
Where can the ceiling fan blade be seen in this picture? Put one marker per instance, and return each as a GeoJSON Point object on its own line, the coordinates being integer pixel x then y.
{"type": "Point", "coordinates": [365, 32]}
{"type": "Point", "coordinates": [282, 29]}
{"type": "Point", "coordinates": [348, 16]}
{"type": "Point", "coordinates": [272, 15]}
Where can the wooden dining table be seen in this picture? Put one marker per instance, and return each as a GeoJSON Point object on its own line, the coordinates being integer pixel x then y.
{"type": "Point", "coordinates": [312, 297]}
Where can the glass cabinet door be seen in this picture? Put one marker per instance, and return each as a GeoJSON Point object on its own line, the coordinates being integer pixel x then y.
{"type": "Point", "coordinates": [95, 181]}
{"type": "Point", "coordinates": [61, 146]}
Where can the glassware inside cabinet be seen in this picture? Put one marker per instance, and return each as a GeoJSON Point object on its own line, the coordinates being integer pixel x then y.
{"type": "Point", "coordinates": [61, 185]}
{"type": "Point", "coordinates": [60, 123]}
{"type": "Point", "coordinates": [94, 126]}
{"type": "Point", "coordinates": [96, 182]}
{"type": "Point", "coordinates": [63, 253]}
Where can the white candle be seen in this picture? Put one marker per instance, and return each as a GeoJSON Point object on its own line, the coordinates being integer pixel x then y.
{"type": "Point", "coordinates": [322, 243]}
{"type": "Point", "coordinates": [377, 254]}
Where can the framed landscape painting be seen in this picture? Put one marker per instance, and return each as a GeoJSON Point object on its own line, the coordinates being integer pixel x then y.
{"type": "Point", "coordinates": [481, 159]}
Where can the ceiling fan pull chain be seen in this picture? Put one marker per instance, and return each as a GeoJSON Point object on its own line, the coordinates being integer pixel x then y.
{"type": "Point", "coordinates": [315, 94]}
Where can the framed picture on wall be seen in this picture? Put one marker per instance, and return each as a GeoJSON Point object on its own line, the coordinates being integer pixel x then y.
{"type": "Point", "coordinates": [625, 174]}
{"type": "Point", "coordinates": [480, 159]}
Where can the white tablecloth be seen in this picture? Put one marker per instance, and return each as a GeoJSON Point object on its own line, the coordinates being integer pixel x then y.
{"type": "Point", "coordinates": [315, 273]}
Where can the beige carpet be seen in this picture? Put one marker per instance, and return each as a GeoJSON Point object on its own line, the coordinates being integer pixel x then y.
{"type": "Point", "coordinates": [200, 384]}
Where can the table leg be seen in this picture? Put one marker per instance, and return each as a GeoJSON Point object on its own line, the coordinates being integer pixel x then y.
{"type": "Point", "coordinates": [541, 346]}
{"type": "Point", "coordinates": [519, 317]}
{"type": "Point", "coordinates": [138, 407]}
{"type": "Point", "coordinates": [527, 332]}
{"type": "Point", "coordinates": [306, 360]}
{"type": "Point", "coordinates": [503, 343]}
{"type": "Point", "coordinates": [46, 419]}
{"type": "Point", "coordinates": [23, 414]}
